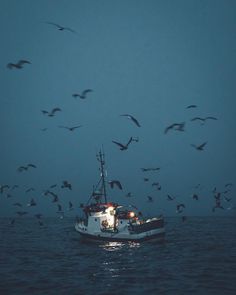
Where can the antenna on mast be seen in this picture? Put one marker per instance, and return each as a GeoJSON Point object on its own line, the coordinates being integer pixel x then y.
{"type": "Point", "coordinates": [101, 159]}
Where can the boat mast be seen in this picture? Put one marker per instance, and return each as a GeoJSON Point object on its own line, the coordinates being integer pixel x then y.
{"type": "Point", "coordinates": [102, 162]}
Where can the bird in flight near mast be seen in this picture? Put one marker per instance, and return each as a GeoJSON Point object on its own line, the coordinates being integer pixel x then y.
{"type": "Point", "coordinates": [52, 113]}
{"type": "Point", "coordinates": [123, 146]}
{"type": "Point", "coordinates": [61, 28]}
{"type": "Point", "coordinates": [175, 126]}
{"type": "Point", "coordinates": [132, 119]}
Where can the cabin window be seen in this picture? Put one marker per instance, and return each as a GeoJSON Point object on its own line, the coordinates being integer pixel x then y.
{"type": "Point", "coordinates": [95, 219]}
{"type": "Point", "coordinates": [121, 222]}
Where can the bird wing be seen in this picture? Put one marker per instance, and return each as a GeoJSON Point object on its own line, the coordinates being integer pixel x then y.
{"type": "Point", "coordinates": [58, 26]}
{"type": "Point", "coordinates": [202, 145]}
{"type": "Point", "coordinates": [197, 118]}
{"type": "Point", "coordinates": [32, 165]}
{"type": "Point", "coordinates": [135, 121]}
{"type": "Point", "coordinates": [191, 106]}
{"type": "Point", "coordinates": [130, 140]}
{"type": "Point", "coordinates": [55, 110]}
{"type": "Point", "coordinates": [118, 184]}
{"type": "Point", "coordinates": [23, 61]}
{"type": "Point", "coordinates": [210, 118]}
{"type": "Point", "coordinates": [44, 112]}
{"type": "Point", "coordinates": [86, 91]}
{"type": "Point", "coordinates": [118, 143]}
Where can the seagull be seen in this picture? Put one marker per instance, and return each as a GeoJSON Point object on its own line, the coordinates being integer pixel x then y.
{"type": "Point", "coordinates": [180, 207]}
{"type": "Point", "coordinates": [31, 189]}
{"type": "Point", "coordinates": [115, 182]}
{"type": "Point", "coordinates": [66, 184]}
{"type": "Point", "coordinates": [150, 169]}
{"type": "Point", "coordinates": [128, 195]}
{"type": "Point", "coordinates": [199, 147]}
{"type": "Point", "coordinates": [132, 118]}
{"type": "Point", "coordinates": [150, 199]}
{"type": "Point", "coordinates": [70, 206]}
{"type": "Point", "coordinates": [195, 197]}
{"type": "Point", "coordinates": [146, 179]}
{"type": "Point", "coordinates": [191, 106]}
{"type": "Point", "coordinates": [170, 198]}
{"type": "Point", "coordinates": [83, 95]}
{"type": "Point", "coordinates": [24, 168]}
{"type": "Point", "coordinates": [61, 28]}
{"type": "Point", "coordinates": [52, 112]}
{"type": "Point", "coordinates": [228, 184]}
{"type": "Point", "coordinates": [55, 199]}
{"type": "Point", "coordinates": [122, 146]}
{"type": "Point", "coordinates": [4, 186]}
{"type": "Point", "coordinates": [53, 185]}
{"type": "Point", "coordinates": [203, 119]}
{"type": "Point", "coordinates": [31, 203]}
{"type": "Point", "coordinates": [18, 65]}
{"type": "Point", "coordinates": [175, 126]}
{"type": "Point", "coordinates": [70, 128]}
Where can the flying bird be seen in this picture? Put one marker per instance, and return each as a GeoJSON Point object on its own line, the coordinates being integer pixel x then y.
{"type": "Point", "coordinates": [150, 199]}
{"type": "Point", "coordinates": [17, 204]}
{"type": "Point", "coordinates": [199, 147]}
{"type": "Point", "coordinates": [61, 28]}
{"type": "Point", "coordinates": [150, 169]}
{"type": "Point", "coordinates": [31, 203]}
{"type": "Point", "coordinates": [180, 207]}
{"type": "Point", "coordinates": [123, 146]}
{"type": "Point", "coordinates": [203, 120]}
{"type": "Point", "coordinates": [31, 189]}
{"type": "Point", "coordinates": [70, 128]}
{"type": "Point", "coordinates": [18, 65]}
{"type": "Point", "coordinates": [3, 187]}
{"type": "Point", "coordinates": [83, 95]}
{"type": "Point", "coordinates": [115, 182]}
{"type": "Point", "coordinates": [66, 184]}
{"type": "Point", "coordinates": [191, 106]}
{"type": "Point", "coordinates": [24, 168]}
{"type": "Point", "coordinates": [52, 112]}
{"type": "Point", "coordinates": [132, 119]}
{"type": "Point", "coordinates": [195, 197]}
{"type": "Point", "coordinates": [169, 198]}
{"type": "Point", "coordinates": [175, 126]}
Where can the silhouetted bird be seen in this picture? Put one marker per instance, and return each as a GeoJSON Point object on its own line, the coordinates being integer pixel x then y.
{"type": "Point", "coordinates": [70, 128]}
{"type": "Point", "coordinates": [180, 207]}
{"type": "Point", "coordinates": [59, 207]}
{"type": "Point", "coordinates": [132, 119]}
{"type": "Point", "coordinates": [199, 147]}
{"type": "Point", "coordinates": [53, 185]}
{"type": "Point", "coordinates": [52, 112]}
{"type": "Point", "coordinates": [170, 198]}
{"type": "Point", "coordinates": [150, 169]}
{"type": "Point", "coordinates": [228, 184]}
{"type": "Point", "coordinates": [61, 28]}
{"type": "Point", "coordinates": [3, 187]}
{"type": "Point", "coordinates": [24, 168]}
{"type": "Point", "coordinates": [66, 184]}
{"type": "Point", "coordinates": [115, 182]}
{"type": "Point", "coordinates": [55, 199]}
{"type": "Point", "coordinates": [175, 126]}
{"type": "Point", "coordinates": [203, 120]}
{"type": "Point", "coordinates": [70, 206]}
{"type": "Point", "coordinates": [83, 95]}
{"type": "Point", "coordinates": [157, 184]}
{"type": "Point", "coordinates": [191, 106]}
{"type": "Point", "coordinates": [123, 146]}
{"type": "Point", "coordinates": [31, 189]}
{"type": "Point", "coordinates": [195, 197]}
{"type": "Point", "coordinates": [18, 65]}
{"type": "Point", "coordinates": [146, 179]}
{"type": "Point", "coordinates": [150, 199]}
{"type": "Point", "coordinates": [31, 203]}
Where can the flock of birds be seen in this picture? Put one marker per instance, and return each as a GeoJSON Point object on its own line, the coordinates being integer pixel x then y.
{"type": "Point", "coordinates": [219, 196]}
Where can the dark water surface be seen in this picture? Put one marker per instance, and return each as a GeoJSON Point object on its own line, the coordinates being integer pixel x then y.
{"type": "Point", "coordinates": [196, 257]}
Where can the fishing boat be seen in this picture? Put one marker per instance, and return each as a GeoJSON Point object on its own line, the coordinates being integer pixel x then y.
{"type": "Point", "coordinates": [109, 221]}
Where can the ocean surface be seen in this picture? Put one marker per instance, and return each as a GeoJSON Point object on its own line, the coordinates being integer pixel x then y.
{"type": "Point", "coordinates": [197, 256]}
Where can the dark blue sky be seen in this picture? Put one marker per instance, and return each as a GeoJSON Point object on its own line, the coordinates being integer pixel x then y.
{"type": "Point", "coordinates": [150, 59]}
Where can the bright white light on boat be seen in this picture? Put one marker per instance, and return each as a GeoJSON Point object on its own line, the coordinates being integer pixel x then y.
{"type": "Point", "coordinates": [131, 214]}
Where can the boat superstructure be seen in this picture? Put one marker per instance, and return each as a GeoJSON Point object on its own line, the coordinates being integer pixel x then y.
{"type": "Point", "coordinates": [110, 221]}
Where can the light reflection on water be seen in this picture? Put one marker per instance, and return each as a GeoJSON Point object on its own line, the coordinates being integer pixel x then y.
{"type": "Point", "coordinates": [114, 246]}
